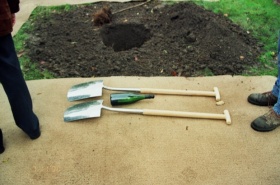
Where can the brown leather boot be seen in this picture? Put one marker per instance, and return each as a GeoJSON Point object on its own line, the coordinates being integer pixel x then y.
{"type": "Point", "coordinates": [267, 122]}
{"type": "Point", "coordinates": [262, 99]}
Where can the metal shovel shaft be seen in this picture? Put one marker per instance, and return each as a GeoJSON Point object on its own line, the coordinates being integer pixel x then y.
{"type": "Point", "coordinates": [137, 90]}
{"type": "Point", "coordinates": [133, 111]}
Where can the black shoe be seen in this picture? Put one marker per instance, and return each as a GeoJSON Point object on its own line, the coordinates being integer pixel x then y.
{"type": "Point", "coordinates": [267, 122]}
{"type": "Point", "coordinates": [35, 134]}
{"type": "Point", "coordinates": [262, 99]}
{"type": "Point", "coordinates": [2, 149]}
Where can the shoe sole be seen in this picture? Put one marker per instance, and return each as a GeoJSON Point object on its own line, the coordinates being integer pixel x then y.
{"type": "Point", "coordinates": [262, 130]}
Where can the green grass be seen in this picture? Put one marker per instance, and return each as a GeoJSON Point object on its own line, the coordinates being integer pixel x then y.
{"type": "Point", "coordinates": [261, 18]}
{"type": "Point", "coordinates": [29, 68]}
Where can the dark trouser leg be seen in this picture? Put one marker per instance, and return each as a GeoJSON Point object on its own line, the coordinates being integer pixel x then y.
{"type": "Point", "coordinates": [2, 149]}
{"type": "Point", "coordinates": [16, 89]}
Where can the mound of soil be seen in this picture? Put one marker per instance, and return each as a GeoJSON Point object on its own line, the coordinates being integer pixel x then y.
{"type": "Point", "coordinates": [154, 39]}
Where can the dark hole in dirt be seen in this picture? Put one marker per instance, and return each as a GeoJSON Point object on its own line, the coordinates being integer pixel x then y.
{"type": "Point", "coordinates": [122, 37]}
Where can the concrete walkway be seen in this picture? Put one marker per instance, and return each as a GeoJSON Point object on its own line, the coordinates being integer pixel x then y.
{"type": "Point", "coordinates": [120, 148]}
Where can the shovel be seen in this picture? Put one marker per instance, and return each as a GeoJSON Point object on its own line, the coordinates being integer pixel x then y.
{"type": "Point", "coordinates": [94, 89]}
{"type": "Point", "coordinates": [93, 109]}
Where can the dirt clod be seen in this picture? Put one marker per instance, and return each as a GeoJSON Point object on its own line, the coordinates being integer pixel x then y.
{"type": "Point", "coordinates": [102, 16]}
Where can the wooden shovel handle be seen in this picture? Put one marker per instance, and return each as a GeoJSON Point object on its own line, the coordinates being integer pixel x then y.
{"type": "Point", "coordinates": [182, 92]}
{"type": "Point", "coordinates": [224, 116]}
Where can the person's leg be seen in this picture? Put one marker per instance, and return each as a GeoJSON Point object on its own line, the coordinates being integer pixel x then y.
{"type": "Point", "coordinates": [2, 149]}
{"type": "Point", "coordinates": [276, 107]}
{"type": "Point", "coordinates": [271, 120]}
{"type": "Point", "coordinates": [268, 98]}
{"type": "Point", "coordinates": [276, 87]}
{"type": "Point", "coordinates": [16, 89]}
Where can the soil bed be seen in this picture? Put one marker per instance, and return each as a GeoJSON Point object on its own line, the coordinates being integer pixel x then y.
{"type": "Point", "coordinates": [151, 40]}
